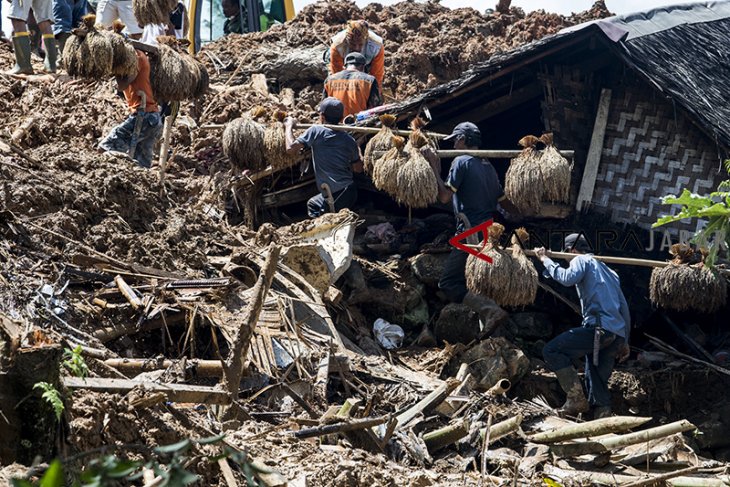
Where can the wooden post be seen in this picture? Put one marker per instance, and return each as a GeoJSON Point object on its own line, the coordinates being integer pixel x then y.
{"type": "Point", "coordinates": [233, 369]}
{"type": "Point", "coordinates": [590, 172]}
{"type": "Point", "coordinates": [428, 403]}
{"type": "Point", "coordinates": [590, 429]}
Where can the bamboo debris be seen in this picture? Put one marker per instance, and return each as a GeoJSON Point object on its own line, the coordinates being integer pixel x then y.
{"type": "Point", "coordinates": [653, 480]}
{"type": "Point", "coordinates": [129, 294]}
{"type": "Point", "coordinates": [201, 368]}
{"type": "Point", "coordinates": [428, 403]}
{"type": "Point", "coordinates": [173, 392]}
{"type": "Point", "coordinates": [343, 427]}
{"type": "Point", "coordinates": [443, 437]}
{"type": "Point", "coordinates": [502, 429]}
{"type": "Point", "coordinates": [619, 441]}
{"type": "Point", "coordinates": [589, 429]}
{"type": "Point", "coordinates": [582, 477]}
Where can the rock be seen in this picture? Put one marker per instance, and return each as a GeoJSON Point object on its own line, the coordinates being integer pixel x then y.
{"type": "Point", "coordinates": [492, 360]}
{"type": "Point", "coordinates": [457, 324]}
{"type": "Point", "coordinates": [530, 325]}
{"type": "Point", "coordinates": [428, 268]}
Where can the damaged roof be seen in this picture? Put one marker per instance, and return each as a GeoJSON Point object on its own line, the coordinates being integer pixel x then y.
{"type": "Point", "coordinates": [681, 50]}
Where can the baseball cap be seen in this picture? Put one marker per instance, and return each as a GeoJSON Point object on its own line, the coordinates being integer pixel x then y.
{"type": "Point", "coordinates": [355, 58]}
{"type": "Point", "coordinates": [332, 108]}
{"type": "Point", "coordinates": [466, 129]}
{"type": "Point", "coordinates": [575, 241]}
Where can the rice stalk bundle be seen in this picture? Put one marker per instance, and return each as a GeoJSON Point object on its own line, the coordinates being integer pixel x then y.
{"type": "Point", "coordinates": [555, 171]}
{"type": "Point", "coordinates": [243, 143]}
{"type": "Point", "coordinates": [418, 138]}
{"type": "Point", "coordinates": [385, 170]}
{"type": "Point", "coordinates": [493, 280]}
{"type": "Point", "coordinates": [275, 143]}
{"type": "Point", "coordinates": [417, 185]}
{"type": "Point", "coordinates": [175, 76]}
{"type": "Point", "coordinates": [524, 179]}
{"type": "Point", "coordinates": [523, 285]}
{"type": "Point", "coordinates": [124, 57]}
{"type": "Point", "coordinates": [380, 142]}
{"type": "Point", "coordinates": [686, 284]}
{"type": "Point", "coordinates": [89, 53]}
{"type": "Point", "coordinates": [153, 11]}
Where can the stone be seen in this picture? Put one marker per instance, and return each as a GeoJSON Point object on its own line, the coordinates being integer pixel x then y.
{"type": "Point", "coordinates": [457, 324]}
{"type": "Point", "coordinates": [530, 325]}
{"type": "Point", "coordinates": [428, 268]}
{"type": "Point", "coordinates": [492, 360]}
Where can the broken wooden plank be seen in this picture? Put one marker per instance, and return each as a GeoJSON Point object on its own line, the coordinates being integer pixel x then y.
{"type": "Point", "coordinates": [428, 403]}
{"type": "Point", "coordinates": [343, 427]}
{"type": "Point", "coordinates": [593, 160]}
{"type": "Point", "coordinates": [173, 392]}
{"type": "Point", "coordinates": [597, 427]}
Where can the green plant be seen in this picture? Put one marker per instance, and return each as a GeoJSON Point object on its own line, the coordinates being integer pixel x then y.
{"type": "Point", "coordinates": [714, 209]}
{"type": "Point", "coordinates": [74, 362]}
{"type": "Point", "coordinates": [52, 397]}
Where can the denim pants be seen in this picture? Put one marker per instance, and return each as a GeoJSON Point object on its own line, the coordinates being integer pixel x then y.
{"type": "Point", "coordinates": [345, 198]}
{"type": "Point", "coordinates": [577, 343]}
{"type": "Point", "coordinates": [453, 281]}
{"type": "Point", "coordinates": [67, 14]}
{"type": "Point", "coordinates": [120, 138]}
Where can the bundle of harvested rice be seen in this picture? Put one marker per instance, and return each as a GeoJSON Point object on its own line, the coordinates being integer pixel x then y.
{"type": "Point", "coordinates": [153, 11]}
{"type": "Point", "coordinates": [555, 171]}
{"type": "Point", "coordinates": [523, 285]}
{"type": "Point", "coordinates": [175, 74]}
{"type": "Point", "coordinates": [124, 57]}
{"type": "Point", "coordinates": [275, 143]}
{"type": "Point", "coordinates": [687, 283]}
{"type": "Point", "coordinates": [380, 142]}
{"type": "Point", "coordinates": [524, 180]}
{"type": "Point", "coordinates": [416, 183]}
{"type": "Point", "coordinates": [89, 53]}
{"type": "Point", "coordinates": [385, 170]}
{"type": "Point", "coordinates": [243, 142]}
{"type": "Point", "coordinates": [493, 280]}
{"type": "Point", "coordinates": [418, 138]}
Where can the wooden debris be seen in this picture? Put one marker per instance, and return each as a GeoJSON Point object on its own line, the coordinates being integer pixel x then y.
{"type": "Point", "coordinates": [200, 368]}
{"type": "Point", "coordinates": [593, 428]}
{"type": "Point", "coordinates": [442, 437]}
{"type": "Point", "coordinates": [328, 429]}
{"type": "Point", "coordinates": [502, 429]}
{"type": "Point", "coordinates": [653, 480]}
{"type": "Point", "coordinates": [173, 392]}
{"type": "Point", "coordinates": [129, 294]}
{"type": "Point", "coordinates": [428, 403]}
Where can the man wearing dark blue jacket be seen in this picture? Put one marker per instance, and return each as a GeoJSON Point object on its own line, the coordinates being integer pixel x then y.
{"type": "Point", "coordinates": [603, 336]}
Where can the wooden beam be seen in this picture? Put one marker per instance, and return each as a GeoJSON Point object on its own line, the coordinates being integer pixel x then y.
{"type": "Point", "coordinates": [173, 392]}
{"type": "Point", "coordinates": [493, 107]}
{"type": "Point", "coordinates": [590, 172]}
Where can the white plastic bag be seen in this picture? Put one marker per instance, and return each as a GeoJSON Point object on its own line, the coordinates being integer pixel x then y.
{"type": "Point", "coordinates": [388, 335]}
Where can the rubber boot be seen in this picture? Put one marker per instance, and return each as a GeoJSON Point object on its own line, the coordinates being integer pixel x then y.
{"type": "Point", "coordinates": [602, 412]}
{"type": "Point", "coordinates": [575, 402]}
{"type": "Point", "coordinates": [61, 39]}
{"type": "Point", "coordinates": [490, 314]}
{"type": "Point", "coordinates": [21, 47]}
{"type": "Point", "coordinates": [51, 60]}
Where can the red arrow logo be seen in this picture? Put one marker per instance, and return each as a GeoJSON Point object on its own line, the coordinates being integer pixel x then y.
{"type": "Point", "coordinates": [456, 241]}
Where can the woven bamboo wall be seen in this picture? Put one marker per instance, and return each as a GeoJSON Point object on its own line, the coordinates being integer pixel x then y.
{"type": "Point", "coordinates": [650, 150]}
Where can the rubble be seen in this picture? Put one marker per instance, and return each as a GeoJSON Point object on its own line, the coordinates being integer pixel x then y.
{"type": "Point", "coordinates": [155, 281]}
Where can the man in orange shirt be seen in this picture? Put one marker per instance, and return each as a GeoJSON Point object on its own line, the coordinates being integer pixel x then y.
{"type": "Point", "coordinates": [123, 136]}
{"type": "Point", "coordinates": [357, 37]}
{"type": "Point", "coordinates": [356, 90]}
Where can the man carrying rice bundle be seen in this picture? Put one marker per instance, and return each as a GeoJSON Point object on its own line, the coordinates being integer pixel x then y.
{"type": "Point", "coordinates": [138, 134]}
{"type": "Point", "coordinates": [475, 191]}
{"type": "Point", "coordinates": [335, 156]}
{"type": "Point", "coordinates": [603, 336]}
{"type": "Point", "coordinates": [356, 90]}
{"type": "Point", "coordinates": [357, 37]}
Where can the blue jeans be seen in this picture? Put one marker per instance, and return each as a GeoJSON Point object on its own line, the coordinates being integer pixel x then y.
{"type": "Point", "coordinates": [67, 14]}
{"type": "Point", "coordinates": [345, 198]}
{"type": "Point", "coordinates": [577, 343]}
{"type": "Point", "coordinates": [120, 138]}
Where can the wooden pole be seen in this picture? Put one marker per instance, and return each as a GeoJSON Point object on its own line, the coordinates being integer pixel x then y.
{"type": "Point", "coordinates": [233, 370]}
{"type": "Point", "coordinates": [588, 429]}
{"type": "Point", "coordinates": [428, 403]}
{"type": "Point", "coordinates": [343, 128]}
{"type": "Point", "coordinates": [500, 430]}
{"type": "Point", "coordinates": [443, 437]}
{"type": "Point", "coordinates": [166, 135]}
{"type": "Point", "coordinates": [343, 427]}
{"type": "Point", "coordinates": [660, 478]}
{"type": "Point", "coordinates": [203, 368]}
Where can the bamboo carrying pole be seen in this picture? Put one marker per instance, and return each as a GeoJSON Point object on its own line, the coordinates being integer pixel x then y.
{"type": "Point", "coordinates": [589, 429]}
{"type": "Point", "coordinates": [487, 153]}
{"type": "Point", "coordinates": [603, 258]}
{"type": "Point", "coordinates": [344, 128]}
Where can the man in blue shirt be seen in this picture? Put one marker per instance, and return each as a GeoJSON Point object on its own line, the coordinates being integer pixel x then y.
{"type": "Point", "coordinates": [335, 156]}
{"type": "Point", "coordinates": [474, 189]}
{"type": "Point", "coordinates": [606, 318]}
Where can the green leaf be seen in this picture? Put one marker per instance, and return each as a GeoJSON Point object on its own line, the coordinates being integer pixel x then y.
{"type": "Point", "coordinates": [53, 476]}
{"type": "Point", "coordinates": [178, 447]}
{"type": "Point", "coordinates": [122, 469]}
{"type": "Point", "coordinates": [551, 482]}
{"type": "Point", "coordinates": [211, 439]}
{"type": "Point", "coordinates": [718, 209]}
{"type": "Point", "coordinates": [20, 483]}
